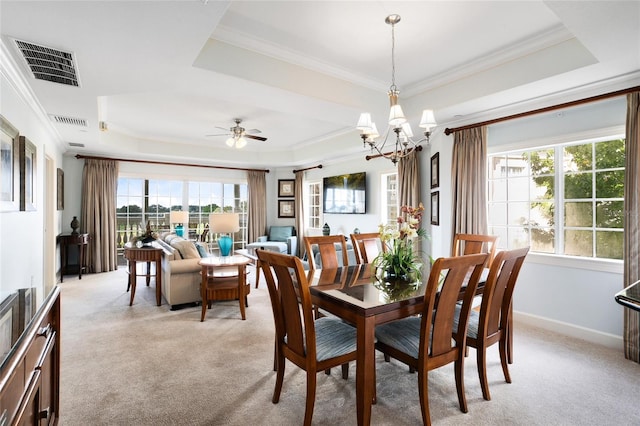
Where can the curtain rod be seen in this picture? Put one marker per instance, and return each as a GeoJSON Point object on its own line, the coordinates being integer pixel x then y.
{"type": "Point", "coordinates": [448, 131]}
{"type": "Point", "coordinates": [319, 166]}
{"type": "Point", "coordinates": [371, 157]}
{"type": "Point", "coordinates": [79, 156]}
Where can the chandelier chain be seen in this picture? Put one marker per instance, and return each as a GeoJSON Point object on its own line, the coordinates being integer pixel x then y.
{"type": "Point", "coordinates": [393, 57]}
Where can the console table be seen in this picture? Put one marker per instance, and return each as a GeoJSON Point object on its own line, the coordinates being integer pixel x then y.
{"type": "Point", "coordinates": [148, 254]}
{"type": "Point", "coordinates": [66, 240]}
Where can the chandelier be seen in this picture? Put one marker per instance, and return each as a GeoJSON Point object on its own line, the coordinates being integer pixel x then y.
{"type": "Point", "coordinates": [398, 135]}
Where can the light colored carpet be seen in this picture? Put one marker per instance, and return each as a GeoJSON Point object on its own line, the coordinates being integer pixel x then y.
{"type": "Point", "coordinates": [147, 365]}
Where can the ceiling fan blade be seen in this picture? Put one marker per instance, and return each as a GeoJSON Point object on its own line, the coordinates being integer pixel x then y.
{"type": "Point", "coordinates": [226, 129]}
{"type": "Point", "coordinates": [258, 138]}
{"type": "Point", "coordinates": [219, 134]}
{"type": "Point", "coordinates": [253, 131]}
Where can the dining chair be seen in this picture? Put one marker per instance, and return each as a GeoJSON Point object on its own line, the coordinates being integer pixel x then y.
{"type": "Point", "coordinates": [367, 246]}
{"type": "Point", "coordinates": [424, 342]}
{"type": "Point", "coordinates": [327, 250]}
{"type": "Point", "coordinates": [474, 243]}
{"type": "Point", "coordinates": [313, 346]}
{"type": "Point", "coordinates": [489, 325]}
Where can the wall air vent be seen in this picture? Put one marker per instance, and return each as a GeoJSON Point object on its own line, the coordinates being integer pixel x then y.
{"type": "Point", "coordinates": [77, 145]}
{"type": "Point", "coordinates": [49, 64]}
{"type": "Point", "coordinates": [73, 121]}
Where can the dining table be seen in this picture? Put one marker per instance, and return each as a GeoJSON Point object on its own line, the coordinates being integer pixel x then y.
{"type": "Point", "coordinates": [359, 296]}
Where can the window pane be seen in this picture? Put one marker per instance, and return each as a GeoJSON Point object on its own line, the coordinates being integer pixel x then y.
{"type": "Point", "coordinates": [541, 213]}
{"type": "Point", "coordinates": [497, 166]}
{"type": "Point", "coordinates": [518, 238]}
{"type": "Point", "coordinates": [498, 190]}
{"type": "Point", "coordinates": [578, 158]}
{"type": "Point", "coordinates": [543, 240]}
{"type": "Point", "coordinates": [542, 162]}
{"type": "Point", "coordinates": [518, 189]}
{"type": "Point", "coordinates": [518, 213]}
{"type": "Point", "coordinates": [578, 214]}
{"type": "Point", "coordinates": [578, 185]}
{"type": "Point", "coordinates": [498, 213]}
{"type": "Point", "coordinates": [578, 243]}
{"type": "Point", "coordinates": [517, 165]}
{"type": "Point", "coordinates": [610, 184]}
{"type": "Point", "coordinates": [609, 244]}
{"type": "Point", "coordinates": [609, 214]}
{"type": "Point", "coordinates": [501, 233]}
{"type": "Point", "coordinates": [610, 154]}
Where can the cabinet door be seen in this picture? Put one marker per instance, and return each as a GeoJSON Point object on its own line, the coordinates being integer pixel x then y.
{"type": "Point", "coordinates": [48, 405]}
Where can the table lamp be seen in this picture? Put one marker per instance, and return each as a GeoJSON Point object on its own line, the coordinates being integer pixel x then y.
{"type": "Point", "coordinates": [179, 218]}
{"type": "Point", "coordinates": [224, 223]}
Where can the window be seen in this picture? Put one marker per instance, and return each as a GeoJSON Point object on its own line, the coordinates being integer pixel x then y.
{"type": "Point", "coordinates": [389, 198]}
{"type": "Point", "coordinates": [313, 206]}
{"type": "Point", "coordinates": [566, 199]}
{"type": "Point", "coordinates": [151, 200]}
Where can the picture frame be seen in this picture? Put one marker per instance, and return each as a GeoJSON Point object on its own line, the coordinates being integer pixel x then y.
{"type": "Point", "coordinates": [435, 170]}
{"type": "Point", "coordinates": [286, 188]}
{"type": "Point", "coordinates": [28, 166]}
{"type": "Point", "coordinates": [60, 189]}
{"type": "Point", "coordinates": [435, 208]}
{"type": "Point", "coordinates": [286, 209]}
{"type": "Point", "coordinates": [9, 167]}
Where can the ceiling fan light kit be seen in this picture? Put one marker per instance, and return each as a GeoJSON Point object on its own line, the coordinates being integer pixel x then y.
{"type": "Point", "coordinates": [404, 143]}
{"type": "Point", "coordinates": [238, 135]}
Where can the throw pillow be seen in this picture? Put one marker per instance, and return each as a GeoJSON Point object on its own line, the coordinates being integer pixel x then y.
{"type": "Point", "coordinates": [202, 250]}
{"type": "Point", "coordinates": [187, 249]}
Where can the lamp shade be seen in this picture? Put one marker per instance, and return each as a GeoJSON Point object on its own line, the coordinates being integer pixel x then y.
{"type": "Point", "coordinates": [396, 116]}
{"type": "Point", "coordinates": [224, 222]}
{"type": "Point", "coordinates": [364, 123]}
{"type": "Point", "coordinates": [428, 120]}
{"type": "Point", "coordinates": [241, 142]}
{"type": "Point", "coordinates": [179, 217]}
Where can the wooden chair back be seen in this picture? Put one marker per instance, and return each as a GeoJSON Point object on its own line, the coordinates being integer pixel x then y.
{"type": "Point", "coordinates": [327, 250]}
{"type": "Point", "coordinates": [473, 244]}
{"type": "Point", "coordinates": [498, 291]}
{"type": "Point", "coordinates": [367, 246]}
{"type": "Point", "coordinates": [291, 304]}
{"type": "Point", "coordinates": [440, 305]}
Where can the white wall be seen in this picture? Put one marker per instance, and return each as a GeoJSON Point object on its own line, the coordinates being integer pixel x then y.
{"type": "Point", "coordinates": [22, 244]}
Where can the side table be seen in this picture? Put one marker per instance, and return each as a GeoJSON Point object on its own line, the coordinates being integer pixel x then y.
{"type": "Point", "coordinates": [146, 254]}
{"type": "Point", "coordinates": [66, 240]}
{"type": "Point", "coordinates": [224, 278]}
{"type": "Point", "coordinates": [253, 259]}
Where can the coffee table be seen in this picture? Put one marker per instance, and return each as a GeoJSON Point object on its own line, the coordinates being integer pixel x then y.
{"type": "Point", "coordinates": [253, 259]}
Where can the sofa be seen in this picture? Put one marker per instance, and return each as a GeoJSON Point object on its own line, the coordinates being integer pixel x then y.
{"type": "Point", "coordinates": [181, 276]}
{"type": "Point", "coordinates": [282, 239]}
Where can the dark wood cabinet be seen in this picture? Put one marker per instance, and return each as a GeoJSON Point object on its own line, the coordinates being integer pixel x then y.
{"type": "Point", "coordinates": [30, 375]}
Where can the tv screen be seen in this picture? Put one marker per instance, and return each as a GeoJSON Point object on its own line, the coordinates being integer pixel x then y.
{"type": "Point", "coordinates": [345, 194]}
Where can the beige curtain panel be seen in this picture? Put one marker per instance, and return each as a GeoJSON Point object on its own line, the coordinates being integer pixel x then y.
{"type": "Point", "coordinates": [468, 181]}
{"type": "Point", "coordinates": [257, 214]}
{"type": "Point", "coordinates": [631, 226]}
{"type": "Point", "coordinates": [98, 213]}
{"type": "Point", "coordinates": [409, 188]}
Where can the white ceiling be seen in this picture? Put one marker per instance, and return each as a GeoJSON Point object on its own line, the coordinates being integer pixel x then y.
{"type": "Point", "coordinates": [164, 74]}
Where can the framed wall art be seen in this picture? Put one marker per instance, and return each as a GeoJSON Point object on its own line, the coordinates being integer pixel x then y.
{"type": "Point", "coordinates": [9, 167]}
{"type": "Point", "coordinates": [60, 189]}
{"type": "Point", "coordinates": [435, 208]}
{"type": "Point", "coordinates": [286, 188]}
{"type": "Point", "coordinates": [286, 209]}
{"type": "Point", "coordinates": [28, 163]}
{"type": "Point", "coordinates": [9, 324]}
{"type": "Point", "coordinates": [435, 170]}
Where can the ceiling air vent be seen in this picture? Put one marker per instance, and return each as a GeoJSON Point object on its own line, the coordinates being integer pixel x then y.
{"type": "Point", "coordinates": [60, 119]}
{"type": "Point", "coordinates": [49, 64]}
{"type": "Point", "coordinates": [76, 144]}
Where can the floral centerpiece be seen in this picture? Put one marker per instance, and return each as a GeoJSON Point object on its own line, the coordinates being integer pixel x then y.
{"type": "Point", "coordinates": [400, 260]}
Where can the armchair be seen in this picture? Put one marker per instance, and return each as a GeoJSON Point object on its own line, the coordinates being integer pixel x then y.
{"type": "Point", "coordinates": [281, 239]}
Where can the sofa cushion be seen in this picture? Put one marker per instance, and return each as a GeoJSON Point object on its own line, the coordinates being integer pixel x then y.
{"type": "Point", "coordinates": [281, 233]}
{"type": "Point", "coordinates": [186, 248]}
{"type": "Point", "coordinates": [202, 249]}
{"type": "Point", "coordinates": [185, 266]}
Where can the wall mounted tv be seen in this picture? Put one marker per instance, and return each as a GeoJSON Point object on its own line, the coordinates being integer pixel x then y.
{"type": "Point", "coordinates": [345, 194]}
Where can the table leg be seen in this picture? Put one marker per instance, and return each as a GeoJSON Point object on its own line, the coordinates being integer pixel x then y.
{"type": "Point", "coordinates": [81, 260]}
{"type": "Point", "coordinates": [365, 368]}
{"type": "Point", "coordinates": [148, 273]}
{"type": "Point", "coordinates": [132, 280]}
{"type": "Point", "coordinates": [203, 293]}
{"type": "Point", "coordinates": [158, 282]}
{"type": "Point", "coordinates": [241, 283]}
{"type": "Point", "coordinates": [258, 264]}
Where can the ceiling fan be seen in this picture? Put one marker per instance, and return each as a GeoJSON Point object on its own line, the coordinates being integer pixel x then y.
{"type": "Point", "coordinates": [238, 135]}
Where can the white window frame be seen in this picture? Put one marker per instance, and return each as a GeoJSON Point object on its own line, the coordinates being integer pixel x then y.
{"type": "Point", "coordinates": [309, 204]}
{"type": "Point", "coordinates": [386, 211]}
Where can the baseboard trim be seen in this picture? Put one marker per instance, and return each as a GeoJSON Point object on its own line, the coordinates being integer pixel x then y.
{"type": "Point", "coordinates": [572, 330]}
